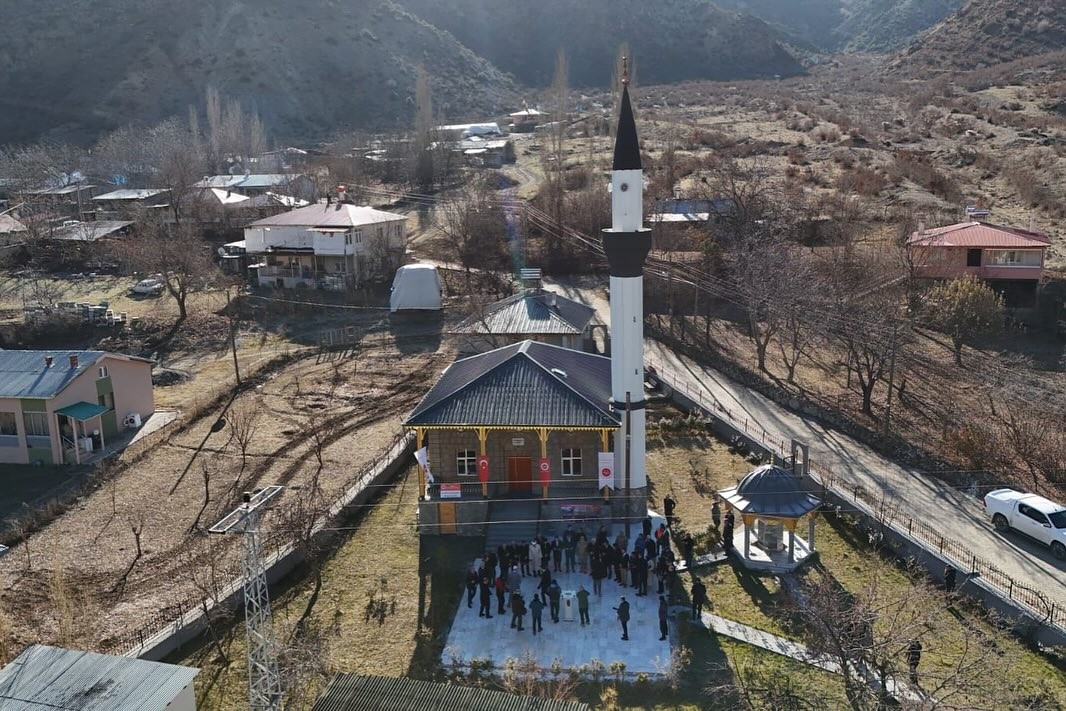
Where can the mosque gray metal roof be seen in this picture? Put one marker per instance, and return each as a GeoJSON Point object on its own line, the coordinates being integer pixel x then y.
{"type": "Point", "coordinates": [46, 678]}
{"type": "Point", "coordinates": [352, 692]}
{"type": "Point", "coordinates": [534, 312]}
{"type": "Point", "coordinates": [771, 491]}
{"type": "Point", "coordinates": [528, 384]}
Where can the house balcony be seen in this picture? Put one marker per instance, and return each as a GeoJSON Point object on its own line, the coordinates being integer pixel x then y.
{"type": "Point", "coordinates": [989, 273]}
{"type": "Point", "coordinates": [301, 278]}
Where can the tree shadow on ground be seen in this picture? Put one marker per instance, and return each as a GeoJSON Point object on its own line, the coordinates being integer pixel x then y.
{"type": "Point", "coordinates": [753, 585]}
{"type": "Point", "coordinates": [442, 566]}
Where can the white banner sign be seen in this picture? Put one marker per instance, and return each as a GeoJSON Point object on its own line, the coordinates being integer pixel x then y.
{"type": "Point", "coordinates": [422, 456]}
{"type": "Point", "coordinates": [606, 468]}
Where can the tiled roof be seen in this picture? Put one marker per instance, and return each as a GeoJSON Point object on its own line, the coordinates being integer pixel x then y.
{"type": "Point", "coordinates": [334, 215]}
{"type": "Point", "coordinates": [530, 313]}
{"type": "Point", "coordinates": [49, 678]}
{"type": "Point", "coordinates": [979, 234]}
{"type": "Point", "coordinates": [525, 384]}
{"type": "Point", "coordinates": [352, 692]}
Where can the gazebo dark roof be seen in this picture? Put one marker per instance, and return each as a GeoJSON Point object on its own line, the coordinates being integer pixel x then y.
{"type": "Point", "coordinates": [770, 491]}
{"type": "Point", "coordinates": [528, 384]}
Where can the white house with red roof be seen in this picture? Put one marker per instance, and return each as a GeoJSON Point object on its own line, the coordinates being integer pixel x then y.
{"type": "Point", "coordinates": [1009, 259]}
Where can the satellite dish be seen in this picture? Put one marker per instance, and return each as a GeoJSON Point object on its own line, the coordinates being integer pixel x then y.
{"type": "Point", "coordinates": [222, 251]}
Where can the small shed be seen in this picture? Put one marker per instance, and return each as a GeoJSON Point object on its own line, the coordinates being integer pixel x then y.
{"type": "Point", "coordinates": [770, 501]}
{"type": "Point", "coordinates": [416, 287]}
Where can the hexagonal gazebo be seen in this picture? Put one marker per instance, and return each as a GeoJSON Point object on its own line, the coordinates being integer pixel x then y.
{"type": "Point", "coordinates": [771, 500]}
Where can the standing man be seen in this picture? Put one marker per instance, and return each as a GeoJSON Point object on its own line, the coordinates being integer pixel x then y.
{"type": "Point", "coordinates": [555, 593]}
{"type": "Point", "coordinates": [557, 555]}
{"type": "Point", "coordinates": [536, 607]}
{"type": "Point", "coordinates": [664, 616]}
{"type": "Point", "coordinates": [545, 583]}
{"type": "Point", "coordinates": [486, 599]}
{"type": "Point", "coordinates": [501, 591]}
{"type": "Point", "coordinates": [645, 526]}
{"type": "Point", "coordinates": [583, 605]}
{"type": "Point", "coordinates": [514, 581]}
{"type": "Point", "coordinates": [727, 532]}
{"type": "Point", "coordinates": [699, 598]}
{"type": "Point", "coordinates": [623, 617]}
{"type": "Point", "coordinates": [689, 547]}
{"type": "Point", "coordinates": [716, 514]}
{"type": "Point", "coordinates": [533, 557]}
{"type": "Point", "coordinates": [569, 549]}
{"type": "Point", "coordinates": [914, 656]}
{"type": "Point", "coordinates": [949, 580]}
{"type": "Point", "coordinates": [669, 504]}
{"type": "Point", "coordinates": [471, 586]}
{"type": "Point", "coordinates": [518, 610]}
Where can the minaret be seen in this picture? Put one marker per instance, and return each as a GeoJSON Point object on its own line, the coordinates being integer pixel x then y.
{"type": "Point", "coordinates": [627, 244]}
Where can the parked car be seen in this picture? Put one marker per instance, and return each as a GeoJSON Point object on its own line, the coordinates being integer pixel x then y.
{"type": "Point", "coordinates": [1030, 514]}
{"type": "Point", "coordinates": [147, 287]}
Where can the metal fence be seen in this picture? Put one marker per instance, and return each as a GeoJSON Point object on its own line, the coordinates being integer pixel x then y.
{"type": "Point", "coordinates": [885, 510]}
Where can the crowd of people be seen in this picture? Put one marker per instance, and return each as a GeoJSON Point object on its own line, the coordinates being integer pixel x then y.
{"type": "Point", "coordinates": [647, 562]}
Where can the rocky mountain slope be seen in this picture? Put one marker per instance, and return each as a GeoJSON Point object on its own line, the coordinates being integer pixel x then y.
{"type": "Point", "coordinates": [672, 40]}
{"type": "Point", "coordinates": [988, 32]}
{"type": "Point", "coordinates": [73, 68]}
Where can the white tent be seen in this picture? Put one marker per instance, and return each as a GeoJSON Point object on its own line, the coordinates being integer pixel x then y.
{"type": "Point", "coordinates": [416, 288]}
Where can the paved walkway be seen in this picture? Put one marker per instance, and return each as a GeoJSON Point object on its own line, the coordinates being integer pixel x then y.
{"type": "Point", "coordinates": [957, 514]}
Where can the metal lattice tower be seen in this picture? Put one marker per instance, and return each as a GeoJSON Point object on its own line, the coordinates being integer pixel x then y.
{"type": "Point", "coordinates": [264, 680]}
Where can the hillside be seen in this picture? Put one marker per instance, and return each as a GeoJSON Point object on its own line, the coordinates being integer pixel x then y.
{"type": "Point", "coordinates": [852, 25]}
{"type": "Point", "coordinates": [671, 40]}
{"type": "Point", "coordinates": [72, 68]}
{"type": "Point", "coordinates": [989, 32]}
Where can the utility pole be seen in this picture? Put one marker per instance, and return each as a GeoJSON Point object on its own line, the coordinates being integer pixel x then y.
{"type": "Point", "coordinates": [264, 679]}
{"type": "Point", "coordinates": [233, 339]}
{"type": "Point", "coordinates": [629, 424]}
{"type": "Point", "coordinates": [891, 380]}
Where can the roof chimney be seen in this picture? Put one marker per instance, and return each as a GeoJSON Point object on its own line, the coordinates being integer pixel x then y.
{"type": "Point", "coordinates": [74, 361]}
{"type": "Point", "coordinates": [921, 225]}
{"type": "Point", "coordinates": [48, 361]}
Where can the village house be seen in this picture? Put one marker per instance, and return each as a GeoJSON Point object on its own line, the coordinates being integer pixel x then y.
{"type": "Point", "coordinates": [526, 120]}
{"type": "Point", "coordinates": [517, 421]}
{"type": "Point", "coordinates": [294, 184]}
{"type": "Point", "coordinates": [128, 203]}
{"type": "Point", "coordinates": [57, 407]}
{"type": "Point", "coordinates": [533, 314]}
{"type": "Point", "coordinates": [482, 152]}
{"type": "Point", "coordinates": [11, 230]}
{"type": "Point", "coordinates": [330, 245]}
{"type": "Point", "coordinates": [1009, 259]}
{"type": "Point", "coordinates": [44, 677]}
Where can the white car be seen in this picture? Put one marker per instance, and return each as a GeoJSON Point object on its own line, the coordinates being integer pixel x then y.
{"type": "Point", "coordinates": [1035, 516]}
{"type": "Point", "coordinates": [147, 287]}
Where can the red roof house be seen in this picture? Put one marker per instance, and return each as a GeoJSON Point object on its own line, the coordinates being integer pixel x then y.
{"type": "Point", "coordinates": [1010, 259]}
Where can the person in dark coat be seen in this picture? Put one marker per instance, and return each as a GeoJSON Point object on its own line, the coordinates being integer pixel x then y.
{"type": "Point", "coordinates": [501, 592]}
{"type": "Point", "coordinates": [649, 548]}
{"type": "Point", "coordinates": [557, 555]}
{"type": "Point", "coordinates": [555, 593]}
{"type": "Point", "coordinates": [490, 566]}
{"type": "Point", "coordinates": [518, 610]}
{"type": "Point", "coordinates": [661, 567]}
{"type": "Point", "coordinates": [949, 579]}
{"type": "Point", "coordinates": [599, 572]}
{"type": "Point", "coordinates": [699, 598]}
{"type": "Point", "coordinates": [716, 514]}
{"type": "Point", "coordinates": [523, 557]}
{"type": "Point", "coordinates": [669, 505]}
{"type": "Point", "coordinates": [569, 548]}
{"type": "Point", "coordinates": [727, 532]}
{"type": "Point", "coordinates": [514, 580]}
{"type": "Point", "coordinates": [486, 599]}
{"type": "Point", "coordinates": [623, 617]}
{"type": "Point", "coordinates": [664, 616]}
{"type": "Point", "coordinates": [471, 586]}
{"type": "Point", "coordinates": [645, 526]}
{"type": "Point", "coordinates": [583, 605]}
{"type": "Point", "coordinates": [545, 583]}
{"type": "Point", "coordinates": [914, 657]}
{"type": "Point", "coordinates": [536, 607]}
{"type": "Point", "coordinates": [689, 547]}
{"type": "Point", "coordinates": [638, 568]}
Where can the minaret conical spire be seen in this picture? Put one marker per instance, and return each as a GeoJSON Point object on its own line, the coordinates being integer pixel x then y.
{"type": "Point", "coordinates": [626, 143]}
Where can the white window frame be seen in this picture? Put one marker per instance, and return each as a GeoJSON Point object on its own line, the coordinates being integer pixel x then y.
{"type": "Point", "coordinates": [568, 458]}
{"type": "Point", "coordinates": [466, 462]}
{"type": "Point", "coordinates": [30, 430]}
{"type": "Point", "coordinates": [14, 421]}
{"type": "Point", "coordinates": [102, 372]}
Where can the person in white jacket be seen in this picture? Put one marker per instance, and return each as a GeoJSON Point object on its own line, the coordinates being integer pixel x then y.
{"type": "Point", "coordinates": [534, 557]}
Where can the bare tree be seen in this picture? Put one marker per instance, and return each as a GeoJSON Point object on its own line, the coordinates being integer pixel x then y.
{"type": "Point", "coordinates": [178, 255]}
{"type": "Point", "coordinates": [243, 421]}
{"type": "Point", "coordinates": [473, 226]}
{"type": "Point", "coordinates": [966, 310]}
{"type": "Point", "coordinates": [136, 528]}
{"type": "Point", "coordinates": [423, 158]}
{"type": "Point", "coordinates": [64, 604]}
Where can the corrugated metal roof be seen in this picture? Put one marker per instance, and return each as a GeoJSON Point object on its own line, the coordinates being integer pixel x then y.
{"type": "Point", "coordinates": [82, 411]}
{"type": "Point", "coordinates": [352, 692]}
{"type": "Point", "coordinates": [90, 231]}
{"type": "Point", "coordinates": [67, 680]}
{"type": "Point", "coordinates": [24, 373]}
{"type": "Point", "coordinates": [536, 312]}
{"type": "Point", "coordinates": [335, 215]}
{"type": "Point", "coordinates": [770, 491]}
{"type": "Point", "coordinates": [525, 384]}
{"type": "Point", "coordinates": [978, 234]}
{"type": "Point", "coordinates": [131, 194]}
{"type": "Point", "coordinates": [10, 224]}
{"type": "Point", "coordinates": [262, 180]}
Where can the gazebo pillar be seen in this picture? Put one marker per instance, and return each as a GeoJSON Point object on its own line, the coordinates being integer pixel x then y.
{"type": "Point", "coordinates": [810, 529]}
{"type": "Point", "coordinates": [790, 526]}
{"type": "Point", "coordinates": [749, 521]}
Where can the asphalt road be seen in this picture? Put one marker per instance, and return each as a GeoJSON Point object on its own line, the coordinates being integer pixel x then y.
{"type": "Point", "coordinates": [955, 514]}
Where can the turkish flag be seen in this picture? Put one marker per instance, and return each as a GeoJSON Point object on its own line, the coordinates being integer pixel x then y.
{"type": "Point", "coordinates": [545, 471]}
{"type": "Point", "coordinates": [483, 469]}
